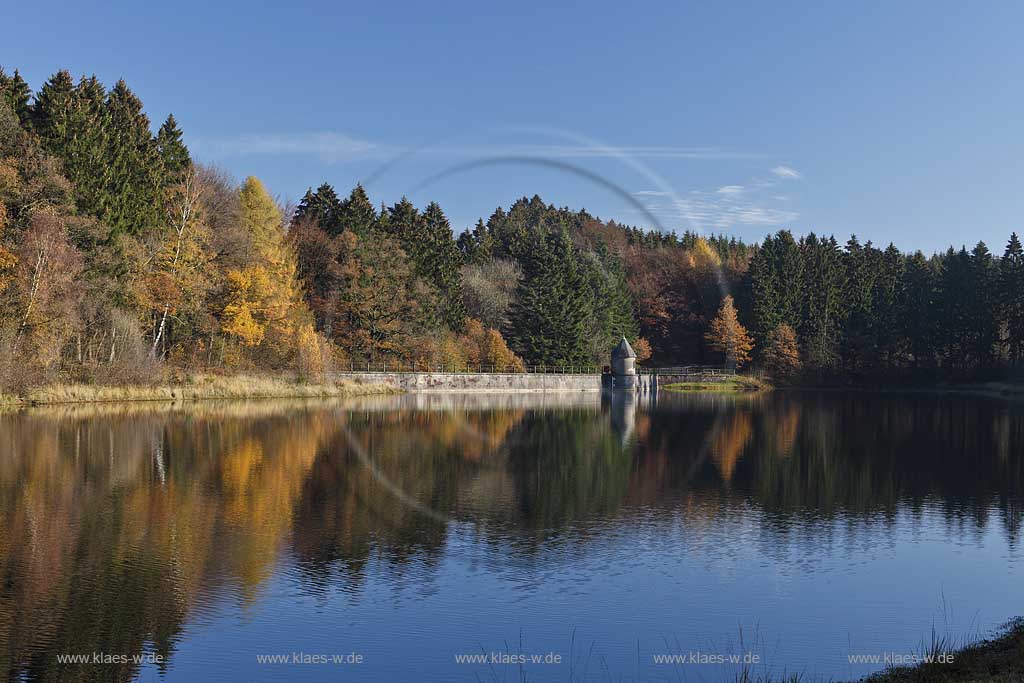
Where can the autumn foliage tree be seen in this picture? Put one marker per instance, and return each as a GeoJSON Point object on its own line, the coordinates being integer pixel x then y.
{"type": "Point", "coordinates": [781, 353]}
{"type": "Point", "coordinates": [381, 302]}
{"type": "Point", "coordinates": [121, 259]}
{"type": "Point", "coordinates": [7, 259]}
{"type": "Point", "coordinates": [43, 300]}
{"type": "Point", "coordinates": [177, 277]}
{"type": "Point", "coordinates": [728, 337]}
{"type": "Point", "coordinates": [264, 309]}
{"type": "Point", "coordinates": [485, 347]}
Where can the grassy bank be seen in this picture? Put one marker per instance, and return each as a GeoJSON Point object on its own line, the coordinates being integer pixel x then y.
{"type": "Point", "coordinates": [739, 383]}
{"type": "Point", "coordinates": [997, 660]}
{"type": "Point", "coordinates": [193, 388]}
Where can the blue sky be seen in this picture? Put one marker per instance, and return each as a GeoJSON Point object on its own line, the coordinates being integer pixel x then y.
{"type": "Point", "coordinates": [895, 121]}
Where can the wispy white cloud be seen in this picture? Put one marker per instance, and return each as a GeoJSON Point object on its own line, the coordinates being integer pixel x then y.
{"type": "Point", "coordinates": [333, 147]}
{"type": "Point", "coordinates": [704, 212]}
{"type": "Point", "coordinates": [330, 147]}
{"type": "Point", "coordinates": [749, 204]}
{"type": "Point", "coordinates": [787, 172]}
{"type": "Point", "coordinates": [590, 151]}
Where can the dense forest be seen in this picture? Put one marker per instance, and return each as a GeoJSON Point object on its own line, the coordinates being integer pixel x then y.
{"type": "Point", "coordinates": [123, 259]}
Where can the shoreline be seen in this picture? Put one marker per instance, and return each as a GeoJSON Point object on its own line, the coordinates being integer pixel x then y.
{"type": "Point", "coordinates": [197, 387]}
{"type": "Point", "coordinates": [997, 659]}
{"type": "Point", "coordinates": [990, 389]}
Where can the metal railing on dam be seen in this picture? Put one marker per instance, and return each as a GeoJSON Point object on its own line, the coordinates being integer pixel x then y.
{"type": "Point", "coordinates": [533, 378]}
{"type": "Point", "coordinates": [393, 367]}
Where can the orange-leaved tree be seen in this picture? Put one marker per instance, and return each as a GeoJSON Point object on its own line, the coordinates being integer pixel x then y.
{"type": "Point", "coordinates": [781, 352]}
{"type": "Point", "coordinates": [727, 336]}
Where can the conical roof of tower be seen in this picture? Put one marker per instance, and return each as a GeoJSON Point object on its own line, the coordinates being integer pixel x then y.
{"type": "Point", "coordinates": [623, 350]}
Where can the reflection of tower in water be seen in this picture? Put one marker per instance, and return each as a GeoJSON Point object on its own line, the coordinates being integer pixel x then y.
{"type": "Point", "coordinates": [622, 407]}
{"type": "Point", "coordinates": [623, 414]}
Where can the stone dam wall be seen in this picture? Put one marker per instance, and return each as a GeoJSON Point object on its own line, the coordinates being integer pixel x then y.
{"type": "Point", "coordinates": [497, 382]}
{"type": "Point", "coordinates": [477, 382]}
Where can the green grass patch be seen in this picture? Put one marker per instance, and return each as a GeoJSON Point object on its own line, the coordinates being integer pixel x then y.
{"type": "Point", "coordinates": [735, 384]}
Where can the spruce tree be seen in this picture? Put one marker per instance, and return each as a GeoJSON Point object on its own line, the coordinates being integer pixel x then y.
{"type": "Point", "coordinates": [822, 300]}
{"type": "Point", "coordinates": [885, 300]}
{"type": "Point", "coordinates": [51, 112]}
{"type": "Point", "coordinates": [917, 309]}
{"type": "Point", "coordinates": [476, 245]}
{"type": "Point", "coordinates": [17, 93]}
{"type": "Point", "coordinates": [776, 275]}
{"type": "Point", "coordinates": [173, 153]}
{"type": "Point", "coordinates": [983, 306]}
{"type": "Point", "coordinates": [954, 291]}
{"type": "Point", "coordinates": [357, 213]}
{"type": "Point", "coordinates": [1011, 297]}
{"type": "Point", "coordinates": [858, 346]}
{"type": "Point", "coordinates": [132, 204]}
{"type": "Point", "coordinates": [324, 207]}
{"type": "Point", "coordinates": [405, 224]}
{"type": "Point", "coordinates": [439, 262]}
{"type": "Point", "coordinates": [84, 150]}
{"type": "Point", "coordinates": [613, 315]}
{"type": "Point", "coordinates": [548, 322]}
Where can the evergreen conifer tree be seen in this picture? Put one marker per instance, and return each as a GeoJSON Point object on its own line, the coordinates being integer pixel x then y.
{"type": "Point", "coordinates": [52, 110]}
{"type": "Point", "coordinates": [17, 93]}
{"type": "Point", "coordinates": [1011, 297]}
{"type": "Point", "coordinates": [172, 150]}
{"type": "Point", "coordinates": [983, 306]}
{"type": "Point", "coordinates": [548, 322]}
{"type": "Point", "coordinates": [133, 160]}
{"type": "Point", "coordinates": [822, 299]}
{"type": "Point", "coordinates": [357, 213]}
{"type": "Point", "coordinates": [439, 262]}
{"type": "Point", "coordinates": [917, 310]}
{"type": "Point", "coordinates": [322, 206]}
{"type": "Point", "coordinates": [406, 225]}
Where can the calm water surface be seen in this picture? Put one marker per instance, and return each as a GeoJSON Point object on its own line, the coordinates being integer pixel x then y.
{"type": "Point", "coordinates": [410, 530]}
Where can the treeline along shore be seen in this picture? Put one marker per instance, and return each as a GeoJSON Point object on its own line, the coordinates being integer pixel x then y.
{"type": "Point", "coordinates": [125, 261]}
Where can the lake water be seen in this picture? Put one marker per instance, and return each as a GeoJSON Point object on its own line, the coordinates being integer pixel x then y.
{"type": "Point", "coordinates": [381, 539]}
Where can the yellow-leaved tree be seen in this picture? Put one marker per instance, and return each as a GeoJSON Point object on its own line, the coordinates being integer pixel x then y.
{"type": "Point", "coordinates": [264, 309]}
{"type": "Point", "coordinates": [179, 276]}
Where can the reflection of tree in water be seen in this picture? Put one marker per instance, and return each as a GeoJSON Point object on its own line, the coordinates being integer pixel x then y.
{"type": "Point", "coordinates": [833, 454]}
{"type": "Point", "coordinates": [729, 441]}
{"type": "Point", "coordinates": [115, 526]}
{"type": "Point", "coordinates": [567, 466]}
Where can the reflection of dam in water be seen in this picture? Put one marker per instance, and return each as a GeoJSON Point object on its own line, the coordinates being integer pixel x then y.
{"type": "Point", "coordinates": [189, 529]}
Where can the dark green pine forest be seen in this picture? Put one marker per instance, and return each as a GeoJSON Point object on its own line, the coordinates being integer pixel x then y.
{"type": "Point", "coordinates": [124, 259]}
